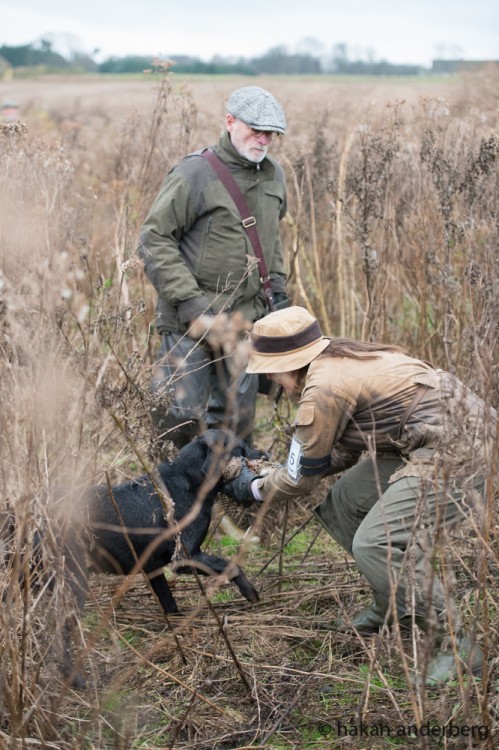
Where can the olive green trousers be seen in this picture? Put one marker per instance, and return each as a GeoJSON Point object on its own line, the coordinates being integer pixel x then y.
{"type": "Point", "coordinates": [392, 530]}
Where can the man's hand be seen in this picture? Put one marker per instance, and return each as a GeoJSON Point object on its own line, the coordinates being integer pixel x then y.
{"type": "Point", "coordinates": [240, 487]}
{"type": "Point", "coordinates": [281, 300]}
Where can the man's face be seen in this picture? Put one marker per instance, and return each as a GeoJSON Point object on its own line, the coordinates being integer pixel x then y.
{"type": "Point", "coordinates": [252, 144]}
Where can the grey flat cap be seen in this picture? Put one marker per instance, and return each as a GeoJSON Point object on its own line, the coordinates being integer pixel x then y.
{"type": "Point", "coordinates": [257, 108]}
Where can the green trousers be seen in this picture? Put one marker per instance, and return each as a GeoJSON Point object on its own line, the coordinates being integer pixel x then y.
{"type": "Point", "coordinates": [391, 531]}
{"type": "Point", "coordinates": [197, 383]}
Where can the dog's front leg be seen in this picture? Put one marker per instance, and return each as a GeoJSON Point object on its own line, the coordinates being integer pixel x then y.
{"type": "Point", "coordinates": [162, 591]}
{"type": "Point", "coordinates": [211, 565]}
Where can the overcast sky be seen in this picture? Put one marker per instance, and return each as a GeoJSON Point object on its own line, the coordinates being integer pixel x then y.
{"type": "Point", "coordinates": [400, 31]}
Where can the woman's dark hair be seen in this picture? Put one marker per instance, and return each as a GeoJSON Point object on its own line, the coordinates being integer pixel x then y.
{"type": "Point", "coordinates": [353, 349]}
{"type": "Point", "coordinates": [358, 349]}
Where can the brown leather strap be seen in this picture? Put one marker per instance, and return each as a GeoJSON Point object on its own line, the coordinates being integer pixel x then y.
{"type": "Point", "coordinates": [248, 221]}
{"type": "Point", "coordinates": [411, 408]}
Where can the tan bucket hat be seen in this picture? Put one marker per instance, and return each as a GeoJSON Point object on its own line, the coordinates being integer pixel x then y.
{"type": "Point", "coordinates": [285, 340]}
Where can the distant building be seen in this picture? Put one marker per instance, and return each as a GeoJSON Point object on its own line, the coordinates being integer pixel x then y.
{"type": "Point", "coordinates": [465, 66]}
{"type": "Point", "coordinates": [9, 111]}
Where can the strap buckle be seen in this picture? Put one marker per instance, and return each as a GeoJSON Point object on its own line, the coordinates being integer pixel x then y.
{"type": "Point", "coordinates": [250, 221]}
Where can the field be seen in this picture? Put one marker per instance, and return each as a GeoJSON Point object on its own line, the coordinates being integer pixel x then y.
{"type": "Point", "coordinates": [392, 234]}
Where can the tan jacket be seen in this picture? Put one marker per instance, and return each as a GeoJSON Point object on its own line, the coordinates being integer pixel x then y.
{"type": "Point", "coordinates": [349, 406]}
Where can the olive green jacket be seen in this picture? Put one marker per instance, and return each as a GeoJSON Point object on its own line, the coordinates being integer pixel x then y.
{"type": "Point", "coordinates": [196, 251]}
{"type": "Point", "coordinates": [350, 406]}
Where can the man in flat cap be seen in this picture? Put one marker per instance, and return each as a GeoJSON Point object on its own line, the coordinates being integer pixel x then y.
{"type": "Point", "coordinates": [201, 261]}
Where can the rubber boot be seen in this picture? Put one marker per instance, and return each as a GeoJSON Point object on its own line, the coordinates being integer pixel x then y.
{"type": "Point", "coordinates": [366, 622]}
{"type": "Point", "coordinates": [444, 668]}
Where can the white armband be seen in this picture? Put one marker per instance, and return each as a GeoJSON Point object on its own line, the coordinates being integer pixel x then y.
{"type": "Point", "coordinates": [294, 459]}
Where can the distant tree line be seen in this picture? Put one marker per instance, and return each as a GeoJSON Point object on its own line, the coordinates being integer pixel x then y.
{"type": "Point", "coordinates": [278, 60]}
{"type": "Point", "coordinates": [42, 55]}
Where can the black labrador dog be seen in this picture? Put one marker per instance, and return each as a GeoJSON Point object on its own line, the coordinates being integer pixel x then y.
{"type": "Point", "coordinates": [128, 527]}
{"type": "Point", "coordinates": [132, 515]}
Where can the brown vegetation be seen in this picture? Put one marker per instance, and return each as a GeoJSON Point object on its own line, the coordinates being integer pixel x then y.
{"type": "Point", "coordinates": [392, 234]}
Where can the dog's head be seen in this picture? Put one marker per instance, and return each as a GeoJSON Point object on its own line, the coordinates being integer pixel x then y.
{"type": "Point", "coordinates": [227, 445]}
{"type": "Point", "coordinates": [208, 455]}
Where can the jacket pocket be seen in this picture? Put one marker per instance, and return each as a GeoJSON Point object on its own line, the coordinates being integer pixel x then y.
{"type": "Point", "coordinates": [202, 246]}
{"type": "Point", "coordinates": [305, 415]}
{"type": "Point", "coordinates": [221, 262]}
{"type": "Point", "coordinates": [272, 211]}
{"type": "Point", "coordinates": [274, 192]}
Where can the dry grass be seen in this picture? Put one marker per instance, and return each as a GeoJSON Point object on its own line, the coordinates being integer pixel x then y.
{"type": "Point", "coordinates": [392, 233]}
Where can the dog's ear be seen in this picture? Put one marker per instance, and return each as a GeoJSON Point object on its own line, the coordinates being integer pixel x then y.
{"type": "Point", "coordinates": [215, 462]}
{"type": "Point", "coordinates": [222, 441]}
{"type": "Point", "coordinates": [211, 437]}
{"type": "Point", "coordinates": [218, 445]}
{"type": "Point", "coordinates": [218, 438]}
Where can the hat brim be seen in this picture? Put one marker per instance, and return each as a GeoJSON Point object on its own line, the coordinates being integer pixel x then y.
{"type": "Point", "coordinates": [261, 363]}
{"type": "Point", "coordinates": [266, 128]}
